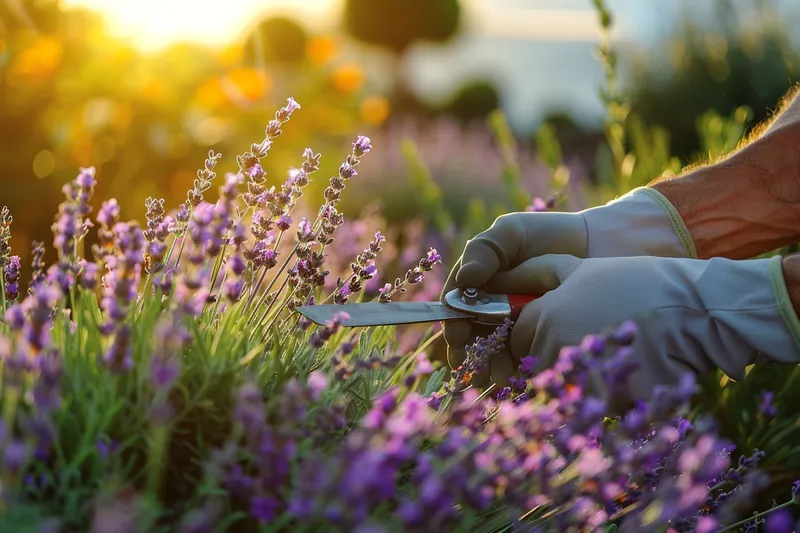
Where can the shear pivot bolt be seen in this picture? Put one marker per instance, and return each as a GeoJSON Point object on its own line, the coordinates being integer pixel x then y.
{"type": "Point", "coordinates": [471, 296]}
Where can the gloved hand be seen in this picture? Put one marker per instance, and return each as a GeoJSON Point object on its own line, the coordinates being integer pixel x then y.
{"type": "Point", "coordinates": [642, 222]}
{"type": "Point", "coordinates": [692, 315]}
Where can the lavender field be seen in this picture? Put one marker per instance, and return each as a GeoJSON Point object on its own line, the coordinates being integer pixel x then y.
{"type": "Point", "coordinates": [156, 376]}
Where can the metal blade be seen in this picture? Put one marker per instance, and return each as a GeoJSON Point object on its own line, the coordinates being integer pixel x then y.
{"type": "Point", "coordinates": [383, 314]}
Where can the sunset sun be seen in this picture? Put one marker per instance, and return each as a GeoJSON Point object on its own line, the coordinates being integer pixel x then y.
{"type": "Point", "coordinates": [152, 24]}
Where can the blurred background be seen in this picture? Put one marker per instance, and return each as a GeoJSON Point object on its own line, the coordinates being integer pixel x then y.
{"type": "Point", "coordinates": [462, 98]}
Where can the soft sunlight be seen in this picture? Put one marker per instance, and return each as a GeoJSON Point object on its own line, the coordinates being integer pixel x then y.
{"type": "Point", "coordinates": [152, 24]}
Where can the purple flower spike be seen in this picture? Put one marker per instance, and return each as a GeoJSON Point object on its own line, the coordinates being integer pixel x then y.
{"type": "Point", "coordinates": [284, 222]}
{"type": "Point", "coordinates": [767, 407]}
{"type": "Point", "coordinates": [291, 106]}
{"type": "Point", "coordinates": [528, 365]}
{"type": "Point", "coordinates": [780, 521]}
{"type": "Point", "coordinates": [12, 272]}
{"type": "Point", "coordinates": [625, 333]}
{"type": "Point", "coordinates": [361, 146]}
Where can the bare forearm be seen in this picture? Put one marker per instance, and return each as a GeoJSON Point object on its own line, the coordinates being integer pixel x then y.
{"type": "Point", "coordinates": [746, 204]}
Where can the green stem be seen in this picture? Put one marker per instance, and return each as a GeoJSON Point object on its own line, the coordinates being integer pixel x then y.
{"type": "Point", "coordinates": [2, 292]}
{"type": "Point", "coordinates": [263, 297]}
{"type": "Point", "coordinates": [755, 516]}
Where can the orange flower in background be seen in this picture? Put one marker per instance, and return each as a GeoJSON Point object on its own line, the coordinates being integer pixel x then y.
{"type": "Point", "coordinates": [36, 63]}
{"type": "Point", "coordinates": [347, 78]}
{"type": "Point", "coordinates": [247, 83]}
{"type": "Point", "coordinates": [211, 93]}
{"type": "Point", "coordinates": [375, 110]}
{"type": "Point", "coordinates": [322, 50]}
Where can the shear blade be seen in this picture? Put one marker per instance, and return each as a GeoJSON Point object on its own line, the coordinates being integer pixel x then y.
{"type": "Point", "coordinates": [383, 314]}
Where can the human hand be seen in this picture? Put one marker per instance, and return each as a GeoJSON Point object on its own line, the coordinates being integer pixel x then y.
{"type": "Point", "coordinates": [642, 222]}
{"type": "Point", "coordinates": [692, 315]}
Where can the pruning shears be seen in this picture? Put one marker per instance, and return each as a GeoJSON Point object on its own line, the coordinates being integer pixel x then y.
{"type": "Point", "coordinates": [458, 304]}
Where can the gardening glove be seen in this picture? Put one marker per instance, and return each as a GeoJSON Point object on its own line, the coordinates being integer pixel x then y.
{"type": "Point", "coordinates": [642, 222]}
{"type": "Point", "coordinates": [692, 315]}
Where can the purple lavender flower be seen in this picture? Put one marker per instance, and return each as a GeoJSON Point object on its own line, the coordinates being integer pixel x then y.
{"type": "Point", "coordinates": [108, 215]}
{"type": "Point", "coordinates": [478, 355]}
{"type": "Point", "coordinates": [321, 336]}
{"type": "Point", "coordinates": [12, 272]}
{"type": "Point", "coordinates": [766, 407]}
{"type": "Point", "coordinates": [88, 274]}
{"type": "Point", "coordinates": [37, 261]}
{"type": "Point", "coordinates": [15, 454]}
{"type": "Point", "coordinates": [5, 235]}
{"type": "Point", "coordinates": [305, 232]}
{"type": "Point", "coordinates": [106, 447]}
{"type": "Point", "coordinates": [625, 333]}
{"type": "Point", "coordinates": [779, 521]}
{"type": "Point", "coordinates": [15, 317]}
{"type": "Point", "coordinates": [119, 356]}
{"type": "Point", "coordinates": [361, 146]}
{"type": "Point", "coordinates": [284, 222]}
{"type": "Point", "coordinates": [38, 307]}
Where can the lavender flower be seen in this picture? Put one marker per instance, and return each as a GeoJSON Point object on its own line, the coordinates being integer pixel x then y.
{"type": "Point", "coordinates": [478, 355]}
{"type": "Point", "coordinates": [5, 235]}
{"type": "Point", "coordinates": [38, 308]}
{"type": "Point", "coordinates": [12, 272]}
{"type": "Point", "coordinates": [766, 408]}
{"type": "Point", "coordinates": [363, 269]}
{"type": "Point", "coordinates": [165, 364]}
{"type": "Point", "coordinates": [321, 336]}
{"type": "Point", "coordinates": [107, 217]}
{"type": "Point", "coordinates": [361, 146]}
{"type": "Point", "coordinates": [413, 275]}
{"type": "Point", "coordinates": [37, 262]}
{"type": "Point", "coordinates": [202, 183]}
{"type": "Point", "coordinates": [119, 356]}
{"type": "Point", "coordinates": [70, 226]}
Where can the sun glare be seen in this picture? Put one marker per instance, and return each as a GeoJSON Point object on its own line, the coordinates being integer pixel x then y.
{"type": "Point", "coordinates": [153, 24]}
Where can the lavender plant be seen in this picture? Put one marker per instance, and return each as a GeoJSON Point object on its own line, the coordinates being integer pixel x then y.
{"type": "Point", "coordinates": [167, 385]}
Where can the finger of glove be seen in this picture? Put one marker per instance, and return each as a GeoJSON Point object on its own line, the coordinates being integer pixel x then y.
{"type": "Point", "coordinates": [538, 275]}
{"type": "Point", "coordinates": [458, 332]}
{"type": "Point", "coordinates": [503, 365]}
{"type": "Point", "coordinates": [461, 338]}
{"type": "Point", "coordinates": [450, 284]}
{"type": "Point", "coordinates": [526, 329]}
{"type": "Point", "coordinates": [491, 251]}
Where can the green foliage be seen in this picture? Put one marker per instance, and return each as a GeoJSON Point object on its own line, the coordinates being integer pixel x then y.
{"type": "Point", "coordinates": [473, 100]}
{"type": "Point", "coordinates": [397, 24]}
{"type": "Point", "coordinates": [428, 193]}
{"type": "Point", "coordinates": [280, 40]}
{"type": "Point", "coordinates": [511, 172]}
{"type": "Point", "coordinates": [716, 71]}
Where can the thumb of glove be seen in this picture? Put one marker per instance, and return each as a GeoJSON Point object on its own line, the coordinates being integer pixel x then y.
{"type": "Point", "coordinates": [535, 276]}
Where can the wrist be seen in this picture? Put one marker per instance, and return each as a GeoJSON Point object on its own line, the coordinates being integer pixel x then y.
{"type": "Point", "coordinates": [745, 205]}
{"type": "Point", "coordinates": [791, 275]}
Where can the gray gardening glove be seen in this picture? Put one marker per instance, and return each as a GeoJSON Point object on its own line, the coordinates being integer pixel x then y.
{"type": "Point", "coordinates": [642, 222]}
{"type": "Point", "coordinates": [692, 315]}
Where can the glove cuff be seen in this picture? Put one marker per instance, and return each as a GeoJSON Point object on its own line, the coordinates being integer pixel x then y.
{"type": "Point", "coordinates": [641, 222]}
{"type": "Point", "coordinates": [782, 299]}
{"type": "Point", "coordinates": [684, 236]}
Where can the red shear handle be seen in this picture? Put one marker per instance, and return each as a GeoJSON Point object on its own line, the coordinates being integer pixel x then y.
{"type": "Point", "coordinates": [517, 302]}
